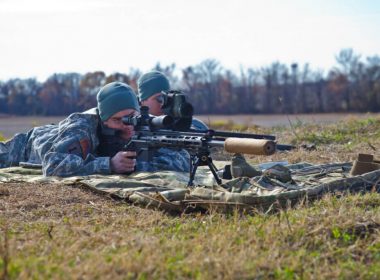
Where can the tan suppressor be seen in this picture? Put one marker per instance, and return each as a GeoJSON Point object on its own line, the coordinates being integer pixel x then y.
{"type": "Point", "coordinates": [250, 146]}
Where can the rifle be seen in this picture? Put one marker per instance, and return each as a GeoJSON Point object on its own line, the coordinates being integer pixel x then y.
{"type": "Point", "coordinates": [174, 131]}
{"type": "Point", "coordinates": [157, 132]}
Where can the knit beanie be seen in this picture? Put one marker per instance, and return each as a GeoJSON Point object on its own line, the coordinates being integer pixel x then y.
{"type": "Point", "coordinates": [151, 83]}
{"type": "Point", "coordinates": [115, 97]}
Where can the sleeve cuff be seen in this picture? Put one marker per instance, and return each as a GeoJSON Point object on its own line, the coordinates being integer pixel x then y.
{"type": "Point", "coordinates": [104, 165]}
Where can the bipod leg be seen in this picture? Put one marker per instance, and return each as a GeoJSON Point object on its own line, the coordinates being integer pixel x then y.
{"type": "Point", "coordinates": [214, 171]}
{"type": "Point", "coordinates": [193, 168]}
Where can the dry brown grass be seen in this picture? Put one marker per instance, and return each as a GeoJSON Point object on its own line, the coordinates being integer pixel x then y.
{"type": "Point", "coordinates": [61, 232]}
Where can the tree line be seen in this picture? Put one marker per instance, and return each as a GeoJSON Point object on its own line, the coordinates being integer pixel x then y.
{"type": "Point", "coordinates": [353, 85]}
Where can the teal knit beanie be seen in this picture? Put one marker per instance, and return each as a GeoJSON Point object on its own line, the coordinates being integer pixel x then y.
{"type": "Point", "coordinates": [151, 83]}
{"type": "Point", "coordinates": [115, 97]}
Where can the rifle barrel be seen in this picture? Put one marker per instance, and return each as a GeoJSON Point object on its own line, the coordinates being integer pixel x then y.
{"type": "Point", "coordinates": [219, 133]}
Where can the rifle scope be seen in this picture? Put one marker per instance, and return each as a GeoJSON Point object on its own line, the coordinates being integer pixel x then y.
{"type": "Point", "coordinates": [147, 121]}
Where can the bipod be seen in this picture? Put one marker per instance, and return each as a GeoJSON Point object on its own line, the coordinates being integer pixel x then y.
{"type": "Point", "coordinates": [202, 159]}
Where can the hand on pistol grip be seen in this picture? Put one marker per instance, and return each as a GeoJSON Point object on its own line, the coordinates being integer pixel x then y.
{"type": "Point", "coordinates": [124, 162]}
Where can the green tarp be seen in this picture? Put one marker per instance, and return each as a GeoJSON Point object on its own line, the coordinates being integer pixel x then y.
{"type": "Point", "coordinates": [168, 190]}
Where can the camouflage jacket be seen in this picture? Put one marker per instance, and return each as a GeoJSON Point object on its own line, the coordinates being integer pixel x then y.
{"type": "Point", "coordinates": [70, 149]}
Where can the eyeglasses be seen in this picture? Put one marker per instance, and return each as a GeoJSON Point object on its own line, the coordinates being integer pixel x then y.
{"type": "Point", "coordinates": [160, 99]}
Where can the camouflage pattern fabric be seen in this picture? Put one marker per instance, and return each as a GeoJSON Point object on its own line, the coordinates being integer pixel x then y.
{"type": "Point", "coordinates": [166, 159]}
{"type": "Point", "coordinates": [69, 149]}
{"type": "Point", "coordinates": [167, 189]}
{"type": "Point", "coordinates": [198, 124]}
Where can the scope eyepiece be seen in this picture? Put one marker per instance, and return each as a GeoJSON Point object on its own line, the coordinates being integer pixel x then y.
{"type": "Point", "coordinates": [130, 120]}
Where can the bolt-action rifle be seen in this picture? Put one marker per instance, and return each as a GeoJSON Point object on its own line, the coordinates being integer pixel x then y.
{"type": "Point", "coordinates": [174, 131]}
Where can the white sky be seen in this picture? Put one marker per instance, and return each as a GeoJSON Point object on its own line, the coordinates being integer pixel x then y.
{"type": "Point", "coordinates": [41, 37]}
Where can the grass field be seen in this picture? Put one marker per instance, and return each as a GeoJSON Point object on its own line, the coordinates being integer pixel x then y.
{"type": "Point", "coordinates": [61, 232]}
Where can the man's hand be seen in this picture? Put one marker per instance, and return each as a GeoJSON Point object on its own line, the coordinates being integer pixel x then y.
{"type": "Point", "coordinates": [123, 162]}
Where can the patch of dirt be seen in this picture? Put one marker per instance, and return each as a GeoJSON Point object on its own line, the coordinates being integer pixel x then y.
{"type": "Point", "coordinates": [28, 201]}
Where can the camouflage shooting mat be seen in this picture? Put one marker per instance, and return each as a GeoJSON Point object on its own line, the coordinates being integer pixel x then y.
{"type": "Point", "coordinates": [168, 189]}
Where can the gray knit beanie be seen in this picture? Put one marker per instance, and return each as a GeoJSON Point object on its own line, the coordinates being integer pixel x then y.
{"type": "Point", "coordinates": [151, 83]}
{"type": "Point", "coordinates": [115, 97]}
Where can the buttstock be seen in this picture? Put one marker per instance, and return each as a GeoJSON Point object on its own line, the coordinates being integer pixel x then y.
{"type": "Point", "coordinates": [250, 146]}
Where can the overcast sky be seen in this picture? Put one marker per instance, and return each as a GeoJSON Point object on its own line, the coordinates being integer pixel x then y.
{"type": "Point", "coordinates": [41, 37]}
